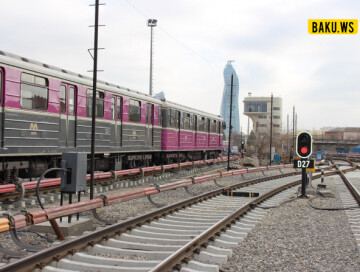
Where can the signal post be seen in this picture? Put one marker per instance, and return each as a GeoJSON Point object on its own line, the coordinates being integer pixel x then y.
{"type": "Point", "coordinates": [304, 151]}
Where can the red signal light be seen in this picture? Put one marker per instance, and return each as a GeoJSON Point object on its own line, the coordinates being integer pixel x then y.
{"type": "Point", "coordinates": [304, 150]}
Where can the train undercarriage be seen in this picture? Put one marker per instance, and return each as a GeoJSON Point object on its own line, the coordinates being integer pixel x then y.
{"type": "Point", "coordinates": [30, 167]}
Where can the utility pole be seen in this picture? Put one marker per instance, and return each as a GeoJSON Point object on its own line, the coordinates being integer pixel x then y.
{"type": "Point", "coordinates": [271, 117]}
{"type": "Point", "coordinates": [287, 134]}
{"type": "Point", "coordinates": [93, 112]}
{"type": "Point", "coordinates": [231, 94]}
{"type": "Point", "coordinates": [293, 125]}
{"type": "Point", "coordinates": [248, 128]}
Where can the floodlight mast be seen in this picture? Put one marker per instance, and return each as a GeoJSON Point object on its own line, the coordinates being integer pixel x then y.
{"type": "Point", "coordinates": [151, 23]}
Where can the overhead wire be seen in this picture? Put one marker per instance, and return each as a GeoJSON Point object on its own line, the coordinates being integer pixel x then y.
{"type": "Point", "coordinates": [169, 34]}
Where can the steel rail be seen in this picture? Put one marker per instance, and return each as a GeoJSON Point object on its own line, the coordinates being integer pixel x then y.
{"type": "Point", "coordinates": [183, 255]}
{"type": "Point", "coordinates": [108, 176]}
{"type": "Point", "coordinates": [39, 259]}
{"type": "Point", "coordinates": [355, 193]}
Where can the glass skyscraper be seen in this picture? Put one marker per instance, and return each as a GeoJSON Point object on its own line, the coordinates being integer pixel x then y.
{"type": "Point", "coordinates": [225, 103]}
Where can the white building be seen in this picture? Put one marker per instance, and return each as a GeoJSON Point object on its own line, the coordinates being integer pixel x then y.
{"type": "Point", "coordinates": [259, 110]}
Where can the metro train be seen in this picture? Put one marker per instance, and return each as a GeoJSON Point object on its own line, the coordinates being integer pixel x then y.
{"type": "Point", "coordinates": [45, 111]}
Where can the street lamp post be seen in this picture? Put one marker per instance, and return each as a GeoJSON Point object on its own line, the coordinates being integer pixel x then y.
{"type": "Point", "coordinates": [151, 23]}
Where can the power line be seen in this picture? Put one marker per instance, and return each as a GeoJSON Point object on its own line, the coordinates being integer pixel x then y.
{"type": "Point", "coordinates": [168, 33]}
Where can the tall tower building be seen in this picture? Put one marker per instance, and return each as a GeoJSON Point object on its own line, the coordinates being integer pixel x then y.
{"type": "Point", "coordinates": [225, 103]}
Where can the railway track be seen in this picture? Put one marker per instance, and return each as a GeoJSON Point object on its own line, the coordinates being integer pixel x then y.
{"type": "Point", "coordinates": [184, 236]}
{"type": "Point", "coordinates": [146, 240]}
{"type": "Point", "coordinates": [349, 193]}
{"type": "Point", "coordinates": [51, 187]}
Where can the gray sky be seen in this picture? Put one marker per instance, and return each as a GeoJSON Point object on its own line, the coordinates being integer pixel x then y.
{"type": "Point", "coordinates": [268, 39]}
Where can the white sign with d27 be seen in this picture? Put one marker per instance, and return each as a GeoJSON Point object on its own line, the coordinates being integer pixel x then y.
{"type": "Point", "coordinates": [303, 163]}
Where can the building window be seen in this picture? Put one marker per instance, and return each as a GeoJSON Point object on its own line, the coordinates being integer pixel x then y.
{"type": "Point", "coordinates": [262, 116]}
{"type": "Point", "coordinates": [276, 125]}
{"type": "Point", "coordinates": [262, 125]}
{"type": "Point", "coordinates": [255, 107]}
{"type": "Point", "coordinates": [135, 111]}
{"type": "Point", "coordinates": [276, 108]}
{"type": "Point", "coordinates": [276, 117]}
{"type": "Point", "coordinates": [34, 92]}
{"type": "Point", "coordinates": [99, 109]}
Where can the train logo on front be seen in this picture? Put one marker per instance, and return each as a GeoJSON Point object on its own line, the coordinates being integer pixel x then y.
{"type": "Point", "coordinates": [33, 126]}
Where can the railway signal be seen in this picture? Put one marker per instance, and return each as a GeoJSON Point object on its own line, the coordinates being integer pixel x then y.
{"type": "Point", "coordinates": [304, 145]}
{"type": "Point", "coordinates": [304, 151]}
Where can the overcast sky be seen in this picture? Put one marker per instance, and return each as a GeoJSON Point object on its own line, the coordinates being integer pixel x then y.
{"type": "Point", "coordinates": [268, 39]}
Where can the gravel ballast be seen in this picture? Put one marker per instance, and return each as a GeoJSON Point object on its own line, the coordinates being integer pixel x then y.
{"type": "Point", "coordinates": [131, 208]}
{"type": "Point", "coordinates": [296, 237]}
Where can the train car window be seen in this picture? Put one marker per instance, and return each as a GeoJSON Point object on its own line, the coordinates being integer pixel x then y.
{"type": "Point", "coordinates": [172, 118]}
{"type": "Point", "coordinates": [191, 122]}
{"type": "Point", "coordinates": [72, 100]}
{"type": "Point", "coordinates": [207, 125]}
{"type": "Point", "coordinates": [202, 124]}
{"type": "Point", "coordinates": [34, 92]}
{"type": "Point", "coordinates": [0, 86]}
{"type": "Point", "coordinates": [89, 102]}
{"type": "Point", "coordinates": [195, 123]}
{"type": "Point", "coordinates": [178, 118]}
{"type": "Point", "coordinates": [213, 126]}
{"type": "Point", "coordinates": [99, 109]}
{"type": "Point", "coordinates": [118, 107]}
{"type": "Point", "coordinates": [149, 114]}
{"type": "Point", "coordinates": [160, 116]}
{"type": "Point", "coordinates": [135, 111]}
{"type": "Point", "coordinates": [181, 119]}
{"type": "Point", "coordinates": [187, 121]}
{"type": "Point", "coordinates": [113, 108]}
{"type": "Point", "coordinates": [62, 99]}
{"type": "Point", "coordinates": [100, 104]}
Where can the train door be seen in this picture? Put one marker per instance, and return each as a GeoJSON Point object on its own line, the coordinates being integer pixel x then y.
{"type": "Point", "coordinates": [118, 121]}
{"type": "Point", "coordinates": [67, 123]}
{"type": "Point", "coordinates": [195, 129]}
{"type": "Point", "coordinates": [179, 126]}
{"type": "Point", "coordinates": [219, 132]}
{"type": "Point", "coordinates": [1, 107]}
{"type": "Point", "coordinates": [208, 124]}
{"type": "Point", "coordinates": [149, 125]}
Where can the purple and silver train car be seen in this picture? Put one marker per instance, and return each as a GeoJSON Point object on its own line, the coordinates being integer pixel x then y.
{"type": "Point", "coordinates": [190, 134]}
{"type": "Point", "coordinates": [45, 110]}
